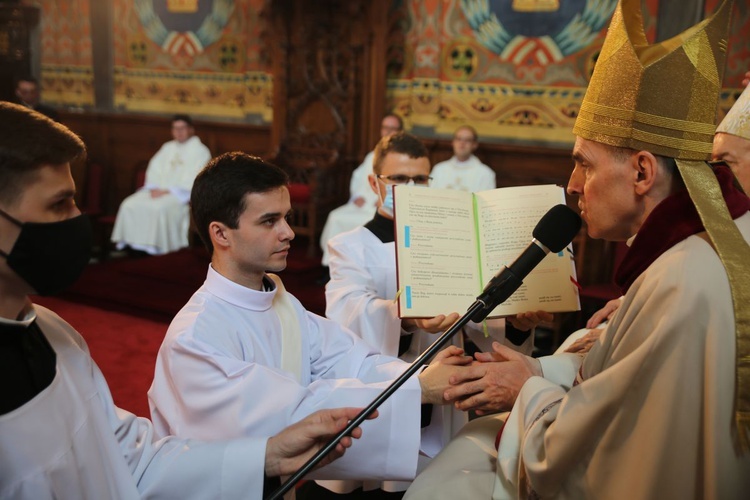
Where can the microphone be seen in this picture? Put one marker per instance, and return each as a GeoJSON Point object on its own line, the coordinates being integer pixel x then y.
{"type": "Point", "coordinates": [552, 233]}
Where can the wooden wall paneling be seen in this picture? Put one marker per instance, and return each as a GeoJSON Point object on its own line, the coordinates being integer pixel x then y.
{"type": "Point", "coordinates": [326, 57]}
{"type": "Point", "coordinates": [514, 165]}
{"type": "Point", "coordinates": [121, 141]}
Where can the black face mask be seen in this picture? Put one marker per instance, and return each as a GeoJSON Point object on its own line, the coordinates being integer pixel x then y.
{"type": "Point", "coordinates": [50, 256]}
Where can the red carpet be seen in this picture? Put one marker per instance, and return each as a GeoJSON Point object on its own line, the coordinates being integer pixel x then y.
{"type": "Point", "coordinates": [157, 287]}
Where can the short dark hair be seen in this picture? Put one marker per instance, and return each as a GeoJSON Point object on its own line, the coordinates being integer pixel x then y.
{"type": "Point", "coordinates": [398, 118]}
{"type": "Point", "coordinates": [400, 142]}
{"type": "Point", "coordinates": [26, 78]}
{"type": "Point", "coordinates": [183, 118]}
{"type": "Point", "coordinates": [219, 190]}
{"type": "Point", "coordinates": [28, 141]}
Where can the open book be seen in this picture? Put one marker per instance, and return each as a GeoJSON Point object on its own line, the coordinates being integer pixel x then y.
{"type": "Point", "coordinates": [450, 243]}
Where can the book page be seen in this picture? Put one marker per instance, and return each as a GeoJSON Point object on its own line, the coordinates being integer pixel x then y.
{"type": "Point", "coordinates": [507, 218]}
{"type": "Point", "coordinates": [435, 251]}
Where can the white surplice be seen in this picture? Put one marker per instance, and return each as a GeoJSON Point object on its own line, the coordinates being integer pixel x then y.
{"type": "Point", "coordinates": [651, 416]}
{"type": "Point", "coordinates": [71, 441]}
{"type": "Point", "coordinates": [360, 296]}
{"type": "Point", "coordinates": [348, 216]}
{"type": "Point", "coordinates": [471, 175]}
{"type": "Point", "coordinates": [218, 375]}
{"type": "Point", "coordinates": [160, 225]}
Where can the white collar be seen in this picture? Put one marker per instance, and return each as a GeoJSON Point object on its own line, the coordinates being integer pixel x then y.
{"type": "Point", "coordinates": [466, 163]}
{"type": "Point", "coordinates": [236, 294]}
{"type": "Point", "coordinates": [29, 315]}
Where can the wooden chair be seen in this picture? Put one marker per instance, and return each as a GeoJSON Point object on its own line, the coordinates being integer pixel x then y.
{"type": "Point", "coordinates": [94, 202]}
{"type": "Point", "coordinates": [314, 189]}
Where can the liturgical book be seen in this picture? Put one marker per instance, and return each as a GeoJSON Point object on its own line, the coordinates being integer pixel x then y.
{"type": "Point", "coordinates": [450, 243]}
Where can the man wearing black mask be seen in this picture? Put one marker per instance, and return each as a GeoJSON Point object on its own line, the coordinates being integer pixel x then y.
{"type": "Point", "coordinates": [61, 436]}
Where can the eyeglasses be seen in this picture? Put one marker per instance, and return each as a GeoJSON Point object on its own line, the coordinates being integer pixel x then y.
{"type": "Point", "coordinates": [421, 180]}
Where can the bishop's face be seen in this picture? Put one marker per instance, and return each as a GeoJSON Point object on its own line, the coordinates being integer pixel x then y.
{"type": "Point", "coordinates": [735, 151]}
{"type": "Point", "coordinates": [604, 184]}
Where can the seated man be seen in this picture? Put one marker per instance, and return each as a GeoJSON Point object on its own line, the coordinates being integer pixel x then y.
{"type": "Point", "coordinates": [27, 93]}
{"type": "Point", "coordinates": [244, 358]}
{"type": "Point", "coordinates": [61, 435]}
{"type": "Point", "coordinates": [361, 293]}
{"type": "Point", "coordinates": [464, 171]}
{"type": "Point", "coordinates": [659, 408]}
{"type": "Point", "coordinates": [361, 204]}
{"type": "Point", "coordinates": [156, 219]}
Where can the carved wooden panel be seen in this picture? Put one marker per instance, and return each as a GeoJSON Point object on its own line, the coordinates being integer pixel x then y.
{"type": "Point", "coordinates": [325, 58]}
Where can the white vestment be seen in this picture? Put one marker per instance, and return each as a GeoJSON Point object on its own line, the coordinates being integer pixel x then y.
{"type": "Point", "coordinates": [348, 216]}
{"type": "Point", "coordinates": [360, 296]}
{"type": "Point", "coordinates": [160, 225]}
{"type": "Point", "coordinates": [71, 441]}
{"type": "Point", "coordinates": [471, 175]}
{"type": "Point", "coordinates": [651, 415]}
{"type": "Point", "coordinates": [218, 375]}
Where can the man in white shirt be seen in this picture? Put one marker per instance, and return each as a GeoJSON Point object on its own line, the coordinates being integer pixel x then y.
{"type": "Point", "coordinates": [362, 201]}
{"type": "Point", "coordinates": [244, 358]}
{"type": "Point", "coordinates": [361, 293]}
{"type": "Point", "coordinates": [464, 171]}
{"type": "Point", "coordinates": [61, 435]}
{"type": "Point", "coordinates": [156, 218]}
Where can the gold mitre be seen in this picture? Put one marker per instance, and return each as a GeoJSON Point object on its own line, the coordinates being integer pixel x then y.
{"type": "Point", "coordinates": [660, 98]}
{"type": "Point", "coordinates": [737, 121]}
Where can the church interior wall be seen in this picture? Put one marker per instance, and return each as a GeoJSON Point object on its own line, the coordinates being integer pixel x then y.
{"type": "Point", "coordinates": [514, 69]}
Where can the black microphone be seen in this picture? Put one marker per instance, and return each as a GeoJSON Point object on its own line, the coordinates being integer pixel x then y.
{"type": "Point", "coordinates": [552, 233]}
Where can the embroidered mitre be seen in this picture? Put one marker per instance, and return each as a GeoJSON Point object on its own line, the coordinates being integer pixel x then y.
{"type": "Point", "coordinates": [737, 121]}
{"type": "Point", "coordinates": [662, 98]}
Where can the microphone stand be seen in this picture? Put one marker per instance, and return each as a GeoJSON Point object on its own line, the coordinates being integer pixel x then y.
{"type": "Point", "coordinates": [477, 311]}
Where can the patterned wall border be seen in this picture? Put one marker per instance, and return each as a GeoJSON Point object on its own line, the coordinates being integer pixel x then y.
{"type": "Point", "coordinates": [499, 112]}
{"type": "Point", "coordinates": [68, 85]}
{"type": "Point", "coordinates": [242, 96]}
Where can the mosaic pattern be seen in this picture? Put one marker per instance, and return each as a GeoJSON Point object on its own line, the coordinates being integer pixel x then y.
{"type": "Point", "coordinates": [199, 57]}
{"type": "Point", "coordinates": [516, 70]}
{"type": "Point", "coordinates": [449, 61]}
{"type": "Point", "coordinates": [67, 71]}
{"type": "Point", "coordinates": [481, 62]}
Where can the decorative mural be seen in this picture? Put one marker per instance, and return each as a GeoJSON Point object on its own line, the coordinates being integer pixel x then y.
{"type": "Point", "coordinates": [67, 70]}
{"type": "Point", "coordinates": [194, 56]}
{"type": "Point", "coordinates": [516, 70]}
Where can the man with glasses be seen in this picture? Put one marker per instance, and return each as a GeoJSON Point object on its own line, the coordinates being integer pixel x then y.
{"type": "Point", "coordinates": [363, 285]}
{"type": "Point", "coordinates": [362, 201]}
{"type": "Point", "coordinates": [464, 171]}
